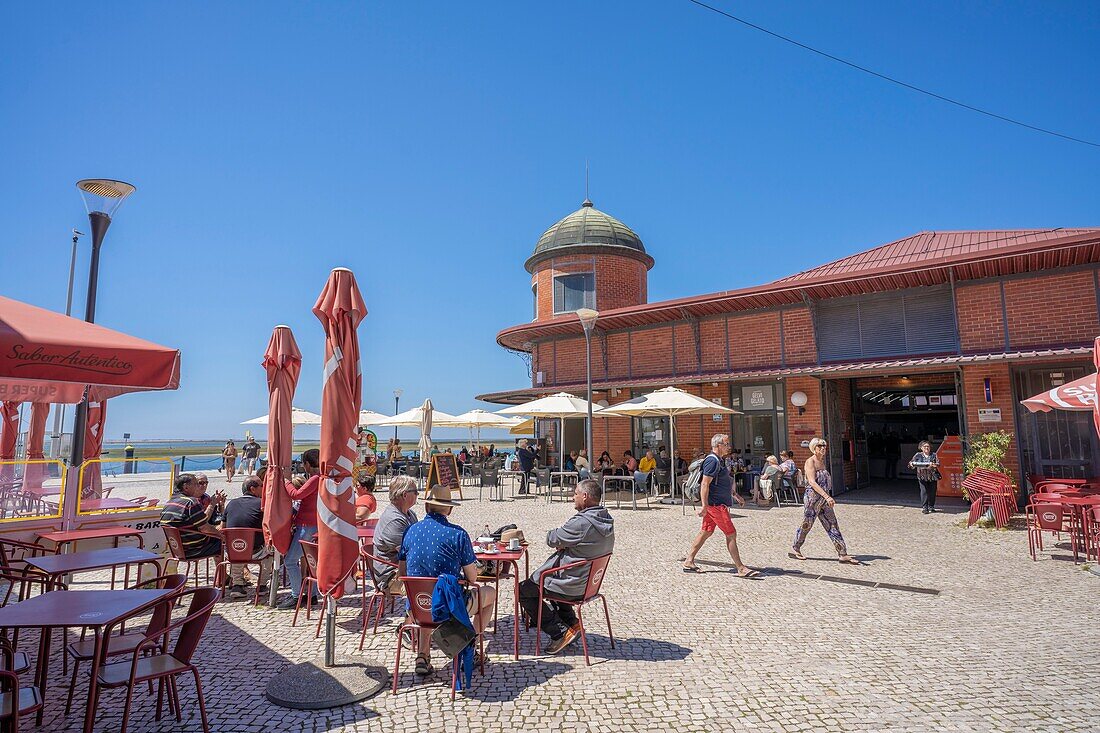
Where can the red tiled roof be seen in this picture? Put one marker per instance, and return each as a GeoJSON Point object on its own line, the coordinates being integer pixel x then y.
{"type": "Point", "coordinates": [932, 246]}
{"type": "Point", "coordinates": [846, 369]}
{"type": "Point", "coordinates": [928, 258]}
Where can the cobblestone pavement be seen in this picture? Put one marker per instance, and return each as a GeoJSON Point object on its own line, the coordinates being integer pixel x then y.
{"type": "Point", "coordinates": [1003, 644]}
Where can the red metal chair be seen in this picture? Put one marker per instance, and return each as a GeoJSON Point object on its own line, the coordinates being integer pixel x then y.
{"type": "Point", "coordinates": [309, 582]}
{"type": "Point", "coordinates": [1092, 532]}
{"type": "Point", "coordinates": [419, 592]}
{"type": "Point", "coordinates": [15, 700]}
{"type": "Point", "coordinates": [124, 643]}
{"type": "Point", "coordinates": [372, 567]}
{"type": "Point", "coordinates": [989, 490]}
{"type": "Point", "coordinates": [238, 544]}
{"type": "Point", "coordinates": [597, 570]}
{"type": "Point", "coordinates": [165, 665]}
{"type": "Point", "coordinates": [175, 550]}
{"type": "Point", "coordinates": [1048, 517]}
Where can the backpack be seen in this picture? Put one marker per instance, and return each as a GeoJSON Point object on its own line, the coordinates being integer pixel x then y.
{"type": "Point", "coordinates": [694, 480]}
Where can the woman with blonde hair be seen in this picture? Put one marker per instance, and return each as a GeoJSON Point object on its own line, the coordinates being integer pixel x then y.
{"type": "Point", "coordinates": [818, 502]}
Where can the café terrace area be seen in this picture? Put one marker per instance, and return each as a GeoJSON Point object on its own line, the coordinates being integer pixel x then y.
{"type": "Point", "coordinates": [944, 628]}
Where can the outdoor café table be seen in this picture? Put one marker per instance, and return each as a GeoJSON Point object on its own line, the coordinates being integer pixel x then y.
{"type": "Point", "coordinates": [618, 493]}
{"type": "Point", "coordinates": [1078, 507]}
{"type": "Point", "coordinates": [562, 475]}
{"type": "Point", "coordinates": [513, 478]}
{"type": "Point", "coordinates": [115, 532]}
{"type": "Point", "coordinates": [510, 557]}
{"type": "Point", "coordinates": [60, 609]}
{"type": "Point", "coordinates": [55, 566]}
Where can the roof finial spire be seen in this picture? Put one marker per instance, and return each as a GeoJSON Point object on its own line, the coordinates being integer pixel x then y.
{"type": "Point", "coordinates": [587, 201]}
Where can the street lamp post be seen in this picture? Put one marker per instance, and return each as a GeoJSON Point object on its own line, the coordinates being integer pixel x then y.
{"type": "Point", "coordinates": [396, 403]}
{"type": "Point", "coordinates": [588, 320]}
{"type": "Point", "coordinates": [102, 197]}
{"type": "Point", "coordinates": [59, 413]}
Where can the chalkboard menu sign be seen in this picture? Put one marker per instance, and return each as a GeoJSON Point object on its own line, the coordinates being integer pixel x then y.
{"type": "Point", "coordinates": [444, 471]}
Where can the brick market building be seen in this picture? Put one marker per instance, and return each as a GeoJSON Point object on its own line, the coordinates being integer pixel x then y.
{"type": "Point", "coordinates": [937, 334]}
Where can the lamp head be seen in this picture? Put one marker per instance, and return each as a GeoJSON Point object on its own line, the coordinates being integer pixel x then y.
{"type": "Point", "coordinates": [103, 195]}
{"type": "Point", "coordinates": [799, 400]}
{"type": "Point", "coordinates": [398, 392]}
{"type": "Point", "coordinates": [587, 317]}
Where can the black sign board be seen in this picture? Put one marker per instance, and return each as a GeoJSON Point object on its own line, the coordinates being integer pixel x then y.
{"type": "Point", "coordinates": [444, 472]}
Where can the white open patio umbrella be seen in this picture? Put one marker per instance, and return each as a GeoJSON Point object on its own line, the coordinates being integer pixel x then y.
{"type": "Point", "coordinates": [298, 416]}
{"type": "Point", "coordinates": [413, 418]}
{"type": "Point", "coordinates": [478, 419]}
{"type": "Point", "coordinates": [561, 406]}
{"type": "Point", "coordinates": [668, 402]}
{"type": "Point", "coordinates": [370, 417]}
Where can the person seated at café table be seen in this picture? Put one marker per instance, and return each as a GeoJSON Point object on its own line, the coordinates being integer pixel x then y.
{"type": "Point", "coordinates": [587, 534]}
{"type": "Point", "coordinates": [583, 468]}
{"type": "Point", "coordinates": [185, 512]}
{"type": "Point", "coordinates": [663, 461]}
{"type": "Point", "coordinates": [629, 464]}
{"type": "Point", "coordinates": [571, 461]}
{"type": "Point", "coordinates": [433, 547]}
{"type": "Point", "coordinates": [247, 512]}
{"type": "Point", "coordinates": [605, 463]}
{"type": "Point", "coordinates": [365, 503]}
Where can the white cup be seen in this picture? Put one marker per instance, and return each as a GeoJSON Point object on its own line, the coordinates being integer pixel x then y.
{"type": "Point", "coordinates": [513, 544]}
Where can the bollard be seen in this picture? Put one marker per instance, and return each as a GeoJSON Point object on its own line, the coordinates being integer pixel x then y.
{"type": "Point", "coordinates": [130, 466]}
{"type": "Point", "coordinates": [183, 464]}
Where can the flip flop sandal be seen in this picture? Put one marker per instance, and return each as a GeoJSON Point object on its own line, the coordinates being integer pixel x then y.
{"type": "Point", "coordinates": [851, 561]}
{"type": "Point", "coordinates": [751, 575]}
{"type": "Point", "coordinates": [796, 556]}
{"type": "Point", "coordinates": [423, 667]}
{"type": "Point", "coordinates": [692, 569]}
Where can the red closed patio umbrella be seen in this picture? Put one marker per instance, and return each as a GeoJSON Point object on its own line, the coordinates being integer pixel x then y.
{"type": "Point", "coordinates": [283, 362]}
{"type": "Point", "coordinates": [91, 484]}
{"type": "Point", "coordinates": [9, 436]}
{"type": "Point", "coordinates": [340, 309]}
{"type": "Point", "coordinates": [35, 473]}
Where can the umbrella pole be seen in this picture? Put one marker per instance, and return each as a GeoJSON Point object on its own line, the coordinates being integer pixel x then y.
{"type": "Point", "coordinates": [273, 581]}
{"type": "Point", "coordinates": [330, 632]}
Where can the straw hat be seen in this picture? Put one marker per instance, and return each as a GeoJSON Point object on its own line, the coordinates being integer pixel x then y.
{"type": "Point", "coordinates": [439, 496]}
{"type": "Point", "coordinates": [512, 534]}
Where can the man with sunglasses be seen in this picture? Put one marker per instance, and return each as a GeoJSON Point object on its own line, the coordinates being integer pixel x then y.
{"type": "Point", "coordinates": [186, 512]}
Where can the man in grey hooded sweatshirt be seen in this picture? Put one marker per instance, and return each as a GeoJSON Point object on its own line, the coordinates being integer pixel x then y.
{"type": "Point", "coordinates": [589, 533]}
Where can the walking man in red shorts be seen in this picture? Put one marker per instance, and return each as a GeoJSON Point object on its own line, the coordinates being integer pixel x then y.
{"type": "Point", "coordinates": [716, 495]}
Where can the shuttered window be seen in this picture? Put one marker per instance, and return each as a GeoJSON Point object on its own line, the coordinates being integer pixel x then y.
{"type": "Point", "coordinates": [573, 292]}
{"type": "Point", "coordinates": [900, 323]}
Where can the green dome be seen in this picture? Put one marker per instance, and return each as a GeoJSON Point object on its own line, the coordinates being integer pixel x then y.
{"type": "Point", "coordinates": [588, 230]}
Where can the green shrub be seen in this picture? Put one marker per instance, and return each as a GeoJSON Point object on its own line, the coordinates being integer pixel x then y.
{"type": "Point", "coordinates": [987, 451]}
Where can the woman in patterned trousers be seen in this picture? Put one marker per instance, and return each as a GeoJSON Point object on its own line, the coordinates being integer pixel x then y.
{"type": "Point", "coordinates": [819, 503]}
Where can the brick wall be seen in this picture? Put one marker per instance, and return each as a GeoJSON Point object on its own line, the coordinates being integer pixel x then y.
{"type": "Point", "coordinates": [798, 337]}
{"type": "Point", "coordinates": [981, 320]}
{"type": "Point", "coordinates": [618, 354]}
{"type": "Point", "coordinates": [974, 392]}
{"type": "Point", "coordinates": [808, 425]}
{"type": "Point", "coordinates": [687, 357]}
{"type": "Point", "coordinates": [651, 351]}
{"type": "Point", "coordinates": [1052, 310]}
{"type": "Point", "coordinates": [620, 281]}
{"type": "Point", "coordinates": [712, 336]}
{"type": "Point", "coordinates": [754, 340]}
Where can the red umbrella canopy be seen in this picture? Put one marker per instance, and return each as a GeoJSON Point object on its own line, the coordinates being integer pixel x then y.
{"type": "Point", "coordinates": [48, 357]}
{"type": "Point", "coordinates": [1095, 403]}
{"type": "Point", "coordinates": [1080, 394]}
{"type": "Point", "coordinates": [283, 362]}
{"type": "Point", "coordinates": [340, 309]}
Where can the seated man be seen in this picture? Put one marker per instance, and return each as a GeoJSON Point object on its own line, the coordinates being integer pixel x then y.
{"type": "Point", "coordinates": [587, 534]}
{"type": "Point", "coordinates": [185, 512]}
{"type": "Point", "coordinates": [246, 512]}
{"type": "Point", "coordinates": [434, 547]}
{"type": "Point", "coordinates": [365, 503]}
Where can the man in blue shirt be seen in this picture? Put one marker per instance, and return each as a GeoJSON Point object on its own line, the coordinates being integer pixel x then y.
{"type": "Point", "coordinates": [716, 495]}
{"type": "Point", "coordinates": [434, 547]}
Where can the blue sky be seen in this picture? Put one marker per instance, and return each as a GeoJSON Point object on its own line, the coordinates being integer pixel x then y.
{"type": "Point", "coordinates": [427, 145]}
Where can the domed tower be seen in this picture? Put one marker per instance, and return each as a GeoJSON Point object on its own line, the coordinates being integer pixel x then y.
{"type": "Point", "coordinates": [589, 259]}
